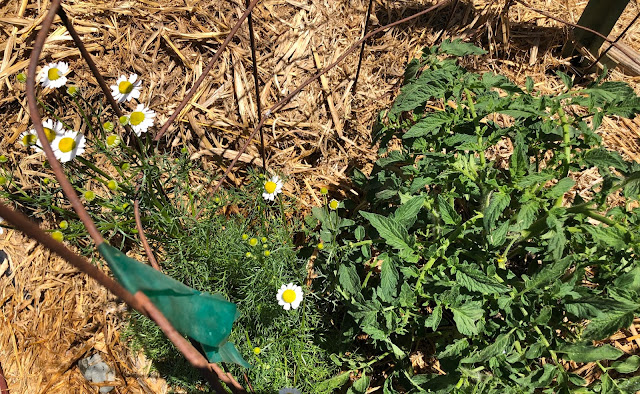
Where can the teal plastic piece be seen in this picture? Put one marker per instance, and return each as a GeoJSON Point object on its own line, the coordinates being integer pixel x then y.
{"type": "Point", "coordinates": [205, 317]}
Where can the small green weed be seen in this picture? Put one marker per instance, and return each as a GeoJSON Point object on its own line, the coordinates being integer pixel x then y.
{"type": "Point", "coordinates": [491, 264]}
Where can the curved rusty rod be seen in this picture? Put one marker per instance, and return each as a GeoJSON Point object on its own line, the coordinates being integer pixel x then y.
{"type": "Point", "coordinates": [143, 238]}
{"type": "Point", "coordinates": [277, 106]}
{"type": "Point", "coordinates": [206, 70]}
{"type": "Point", "coordinates": [139, 301]}
{"type": "Point", "coordinates": [37, 123]}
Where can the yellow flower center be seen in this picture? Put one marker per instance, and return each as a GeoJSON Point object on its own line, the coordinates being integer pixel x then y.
{"type": "Point", "coordinates": [289, 296]}
{"type": "Point", "coordinates": [136, 118]}
{"type": "Point", "coordinates": [113, 140]}
{"type": "Point", "coordinates": [67, 144]}
{"type": "Point", "coordinates": [29, 139]}
{"type": "Point", "coordinates": [333, 204]}
{"type": "Point", "coordinates": [53, 74]}
{"type": "Point", "coordinates": [125, 87]}
{"type": "Point", "coordinates": [51, 135]}
{"type": "Point", "coordinates": [270, 187]}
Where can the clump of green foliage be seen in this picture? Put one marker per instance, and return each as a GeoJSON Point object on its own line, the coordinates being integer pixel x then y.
{"type": "Point", "coordinates": [491, 266]}
{"type": "Point", "coordinates": [235, 243]}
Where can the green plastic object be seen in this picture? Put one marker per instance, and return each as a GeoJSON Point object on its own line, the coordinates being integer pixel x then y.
{"type": "Point", "coordinates": [205, 317]}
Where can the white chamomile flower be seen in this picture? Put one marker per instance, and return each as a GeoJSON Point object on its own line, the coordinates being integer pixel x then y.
{"type": "Point", "coordinates": [68, 146]}
{"type": "Point", "coordinates": [53, 75]}
{"type": "Point", "coordinates": [289, 390]}
{"type": "Point", "coordinates": [51, 130]}
{"type": "Point", "coordinates": [272, 188]}
{"type": "Point", "coordinates": [290, 296]}
{"type": "Point", "coordinates": [126, 89]}
{"type": "Point", "coordinates": [141, 119]}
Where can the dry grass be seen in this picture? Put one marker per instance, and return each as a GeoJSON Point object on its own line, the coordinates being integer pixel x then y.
{"type": "Point", "coordinates": [51, 316]}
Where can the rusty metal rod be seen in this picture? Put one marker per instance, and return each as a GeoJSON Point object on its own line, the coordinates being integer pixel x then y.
{"type": "Point", "coordinates": [277, 106]}
{"type": "Point", "coordinates": [205, 72]}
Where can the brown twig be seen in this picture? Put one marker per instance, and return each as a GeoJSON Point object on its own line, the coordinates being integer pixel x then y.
{"type": "Point", "coordinates": [256, 82]}
{"type": "Point", "coordinates": [277, 106]}
{"type": "Point", "coordinates": [206, 70]}
{"type": "Point", "coordinates": [361, 55]}
{"type": "Point", "coordinates": [139, 301]}
{"type": "Point", "coordinates": [143, 238]}
{"type": "Point", "coordinates": [446, 24]}
{"type": "Point", "coordinates": [37, 123]}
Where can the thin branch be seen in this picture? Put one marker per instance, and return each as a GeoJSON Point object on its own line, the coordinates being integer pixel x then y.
{"type": "Point", "coordinates": [143, 238]}
{"type": "Point", "coordinates": [37, 123]}
{"type": "Point", "coordinates": [626, 29]}
{"type": "Point", "coordinates": [361, 55]}
{"type": "Point", "coordinates": [256, 82]}
{"type": "Point", "coordinates": [277, 106]}
{"type": "Point", "coordinates": [205, 72]}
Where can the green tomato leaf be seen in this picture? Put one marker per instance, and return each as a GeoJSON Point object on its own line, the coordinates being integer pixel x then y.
{"type": "Point", "coordinates": [349, 279]}
{"type": "Point", "coordinates": [584, 353]}
{"type": "Point", "coordinates": [447, 212]}
{"type": "Point", "coordinates": [502, 344]}
{"type": "Point", "coordinates": [394, 234]}
{"type": "Point", "coordinates": [603, 158]}
{"type": "Point", "coordinates": [459, 48]}
{"type": "Point", "coordinates": [499, 201]}
{"type": "Point", "coordinates": [407, 213]}
{"type": "Point", "coordinates": [433, 321]}
{"type": "Point", "coordinates": [466, 315]}
{"type": "Point", "coordinates": [607, 324]}
{"type": "Point", "coordinates": [629, 365]}
{"type": "Point", "coordinates": [428, 125]}
{"type": "Point", "coordinates": [477, 281]}
{"type": "Point", "coordinates": [388, 280]}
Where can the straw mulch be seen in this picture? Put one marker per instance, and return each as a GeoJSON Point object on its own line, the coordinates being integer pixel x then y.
{"type": "Point", "coordinates": [51, 315]}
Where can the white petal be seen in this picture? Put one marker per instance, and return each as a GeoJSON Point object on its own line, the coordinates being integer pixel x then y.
{"type": "Point", "coordinates": [287, 307]}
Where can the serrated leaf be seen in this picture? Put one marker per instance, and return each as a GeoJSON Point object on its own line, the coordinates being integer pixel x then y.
{"type": "Point", "coordinates": [603, 158]}
{"type": "Point", "coordinates": [607, 324]}
{"type": "Point", "coordinates": [388, 280]}
{"type": "Point", "coordinates": [499, 201]}
{"type": "Point", "coordinates": [428, 125]}
{"type": "Point", "coordinates": [454, 349]}
{"type": "Point", "coordinates": [632, 185]}
{"type": "Point", "coordinates": [477, 281]}
{"type": "Point", "coordinates": [417, 93]}
{"type": "Point", "coordinates": [582, 353]}
{"type": "Point", "coordinates": [629, 280]}
{"type": "Point", "coordinates": [594, 306]}
{"type": "Point", "coordinates": [534, 179]}
{"type": "Point", "coordinates": [610, 236]}
{"type": "Point", "coordinates": [502, 344]}
{"type": "Point", "coordinates": [629, 365]}
{"type": "Point", "coordinates": [631, 385]}
{"type": "Point", "coordinates": [394, 234]}
{"type": "Point", "coordinates": [330, 385]}
{"type": "Point", "coordinates": [411, 71]}
{"type": "Point", "coordinates": [349, 279]}
{"type": "Point", "coordinates": [433, 321]}
{"type": "Point", "coordinates": [560, 188]}
{"type": "Point", "coordinates": [566, 80]}
{"type": "Point", "coordinates": [448, 214]}
{"type": "Point", "coordinates": [539, 378]}
{"type": "Point", "coordinates": [527, 214]}
{"type": "Point", "coordinates": [549, 273]}
{"type": "Point", "coordinates": [407, 213]}
{"type": "Point", "coordinates": [459, 48]}
{"type": "Point", "coordinates": [498, 236]}
{"type": "Point", "coordinates": [557, 243]}
{"type": "Point", "coordinates": [529, 85]}
{"type": "Point", "coordinates": [466, 315]}
{"type": "Point", "coordinates": [519, 161]}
